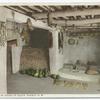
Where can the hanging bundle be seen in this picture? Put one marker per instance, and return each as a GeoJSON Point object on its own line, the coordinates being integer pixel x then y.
{"type": "Point", "coordinates": [3, 34]}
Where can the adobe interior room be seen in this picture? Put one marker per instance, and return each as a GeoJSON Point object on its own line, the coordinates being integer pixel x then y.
{"type": "Point", "coordinates": [50, 49]}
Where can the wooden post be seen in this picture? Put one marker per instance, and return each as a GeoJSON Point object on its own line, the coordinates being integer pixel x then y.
{"type": "Point", "coordinates": [49, 18]}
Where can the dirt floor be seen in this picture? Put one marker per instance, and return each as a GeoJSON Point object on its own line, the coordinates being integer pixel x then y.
{"type": "Point", "coordinates": [24, 84]}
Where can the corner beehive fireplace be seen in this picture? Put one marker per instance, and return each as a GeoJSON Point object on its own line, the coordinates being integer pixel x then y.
{"type": "Point", "coordinates": [36, 53]}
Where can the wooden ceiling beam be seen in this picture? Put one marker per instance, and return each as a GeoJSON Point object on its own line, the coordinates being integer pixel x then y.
{"type": "Point", "coordinates": [35, 8]}
{"type": "Point", "coordinates": [19, 8]}
{"type": "Point", "coordinates": [57, 14]}
{"type": "Point", "coordinates": [78, 17]}
{"type": "Point", "coordinates": [67, 8]}
{"type": "Point", "coordinates": [62, 18]}
{"type": "Point", "coordinates": [27, 9]}
{"type": "Point", "coordinates": [44, 9]}
{"type": "Point", "coordinates": [59, 7]}
{"type": "Point", "coordinates": [50, 8]}
{"type": "Point", "coordinates": [20, 11]}
{"type": "Point", "coordinates": [76, 22]}
{"type": "Point", "coordinates": [54, 7]}
{"type": "Point", "coordinates": [32, 9]}
{"type": "Point", "coordinates": [16, 10]}
{"type": "Point", "coordinates": [28, 13]}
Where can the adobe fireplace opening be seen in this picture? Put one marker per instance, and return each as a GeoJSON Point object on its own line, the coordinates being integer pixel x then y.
{"type": "Point", "coordinates": [35, 51]}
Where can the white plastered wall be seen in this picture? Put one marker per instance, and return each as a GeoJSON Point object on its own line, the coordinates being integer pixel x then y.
{"type": "Point", "coordinates": [3, 76]}
{"type": "Point", "coordinates": [16, 51]}
{"type": "Point", "coordinates": [56, 58]}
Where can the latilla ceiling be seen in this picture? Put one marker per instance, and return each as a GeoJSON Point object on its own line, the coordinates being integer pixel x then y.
{"type": "Point", "coordinates": [59, 13]}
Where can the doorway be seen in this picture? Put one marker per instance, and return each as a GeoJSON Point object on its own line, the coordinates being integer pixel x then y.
{"type": "Point", "coordinates": [9, 55]}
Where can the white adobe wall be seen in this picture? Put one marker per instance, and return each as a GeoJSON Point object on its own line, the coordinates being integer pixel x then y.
{"type": "Point", "coordinates": [3, 70]}
{"type": "Point", "coordinates": [4, 15]}
{"type": "Point", "coordinates": [87, 49]}
{"type": "Point", "coordinates": [56, 58]}
{"type": "Point", "coordinates": [16, 52]}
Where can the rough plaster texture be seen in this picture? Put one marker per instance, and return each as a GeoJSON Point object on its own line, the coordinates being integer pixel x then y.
{"type": "Point", "coordinates": [87, 49]}
{"type": "Point", "coordinates": [4, 15]}
{"type": "Point", "coordinates": [16, 53]}
{"type": "Point", "coordinates": [56, 58]}
{"type": "Point", "coordinates": [3, 77]}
